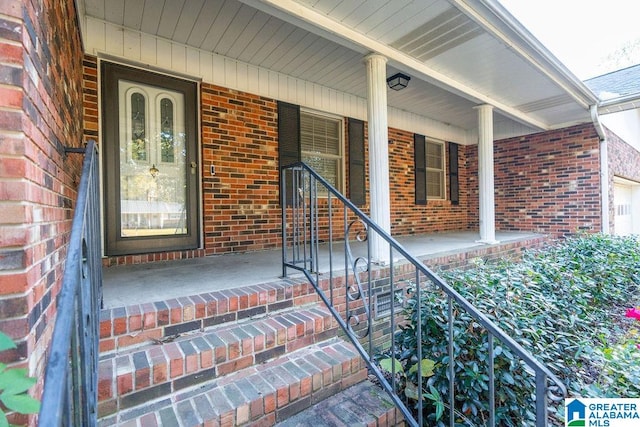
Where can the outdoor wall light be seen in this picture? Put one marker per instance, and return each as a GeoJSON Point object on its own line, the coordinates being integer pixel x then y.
{"type": "Point", "coordinates": [153, 170]}
{"type": "Point", "coordinates": [398, 81]}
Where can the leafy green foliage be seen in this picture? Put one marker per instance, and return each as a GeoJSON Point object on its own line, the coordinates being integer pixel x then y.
{"type": "Point", "coordinates": [564, 304]}
{"type": "Point", "coordinates": [14, 384]}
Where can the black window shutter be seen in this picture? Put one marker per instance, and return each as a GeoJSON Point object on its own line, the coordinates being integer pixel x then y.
{"type": "Point", "coordinates": [454, 187]}
{"type": "Point", "coordinates": [288, 139]}
{"type": "Point", "coordinates": [356, 162]}
{"type": "Point", "coordinates": [420, 163]}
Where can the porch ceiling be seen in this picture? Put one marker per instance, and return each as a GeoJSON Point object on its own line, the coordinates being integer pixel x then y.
{"type": "Point", "coordinates": [459, 53]}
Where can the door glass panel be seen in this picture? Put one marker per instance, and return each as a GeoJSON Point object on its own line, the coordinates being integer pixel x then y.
{"type": "Point", "coordinates": [153, 167]}
{"type": "Point", "coordinates": [167, 130]}
{"type": "Point", "coordinates": [138, 145]}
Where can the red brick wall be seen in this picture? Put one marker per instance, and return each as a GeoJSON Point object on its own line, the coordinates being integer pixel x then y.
{"type": "Point", "coordinates": [549, 182]}
{"type": "Point", "coordinates": [239, 138]}
{"type": "Point", "coordinates": [40, 107]}
{"type": "Point", "coordinates": [624, 162]}
{"type": "Point", "coordinates": [436, 215]}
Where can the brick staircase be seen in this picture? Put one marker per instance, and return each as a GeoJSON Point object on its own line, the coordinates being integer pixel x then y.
{"type": "Point", "coordinates": [256, 356]}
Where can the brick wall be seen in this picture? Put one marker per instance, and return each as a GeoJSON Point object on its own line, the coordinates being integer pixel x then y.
{"type": "Point", "coordinates": [40, 103]}
{"type": "Point", "coordinates": [437, 215]}
{"type": "Point", "coordinates": [624, 162]}
{"type": "Point", "coordinates": [239, 138]}
{"type": "Point", "coordinates": [549, 182]}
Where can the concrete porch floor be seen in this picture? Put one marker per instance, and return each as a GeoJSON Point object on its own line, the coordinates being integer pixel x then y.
{"type": "Point", "coordinates": [134, 284]}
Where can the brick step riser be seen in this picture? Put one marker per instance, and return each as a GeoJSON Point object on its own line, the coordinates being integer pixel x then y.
{"type": "Point", "coordinates": [143, 374]}
{"type": "Point", "coordinates": [135, 325]}
{"type": "Point", "coordinates": [259, 395]}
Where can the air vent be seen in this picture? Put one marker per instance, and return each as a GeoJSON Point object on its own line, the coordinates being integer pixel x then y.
{"type": "Point", "coordinates": [383, 303]}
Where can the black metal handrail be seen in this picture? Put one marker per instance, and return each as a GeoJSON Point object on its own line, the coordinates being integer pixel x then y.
{"type": "Point", "coordinates": [70, 385]}
{"type": "Point", "coordinates": [310, 207]}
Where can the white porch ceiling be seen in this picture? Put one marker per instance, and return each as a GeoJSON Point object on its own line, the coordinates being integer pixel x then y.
{"type": "Point", "coordinates": [459, 53]}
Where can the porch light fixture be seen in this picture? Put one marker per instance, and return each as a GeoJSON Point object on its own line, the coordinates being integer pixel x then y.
{"type": "Point", "coordinates": [398, 81]}
{"type": "Point", "coordinates": [154, 171]}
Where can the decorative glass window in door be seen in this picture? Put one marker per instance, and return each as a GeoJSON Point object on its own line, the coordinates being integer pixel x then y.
{"type": "Point", "coordinates": [153, 167]}
{"type": "Point", "coordinates": [138, 144]}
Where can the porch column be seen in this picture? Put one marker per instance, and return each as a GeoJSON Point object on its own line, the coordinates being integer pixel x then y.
{"type": "Point", "coordinates": [485, 175]}
{"type": "Point", "coordinates": [378, 152]}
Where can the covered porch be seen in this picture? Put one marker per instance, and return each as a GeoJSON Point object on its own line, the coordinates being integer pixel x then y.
{"type": "Point", "coordinates": [151, 282]}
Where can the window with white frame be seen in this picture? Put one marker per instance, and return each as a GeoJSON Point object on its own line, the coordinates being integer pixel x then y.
{"type": "Point", "coordinates": [321, 146]}
{"type": "Point", "coordinates": [435, 169]}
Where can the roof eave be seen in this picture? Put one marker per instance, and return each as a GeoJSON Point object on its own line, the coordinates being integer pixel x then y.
{"type": "Point", "coordinates": [497, 20]}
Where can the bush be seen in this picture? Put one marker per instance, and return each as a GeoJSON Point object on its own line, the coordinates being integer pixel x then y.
{"type": "Point", "coordinates": [557, 303]}
{"type": "Point", "coordinates": [14, 384]}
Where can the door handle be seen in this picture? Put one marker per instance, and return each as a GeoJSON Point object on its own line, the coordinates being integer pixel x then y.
{"type": "Point", "coordinates": [194, 167]}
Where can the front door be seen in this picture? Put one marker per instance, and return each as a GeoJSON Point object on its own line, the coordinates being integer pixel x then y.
{"type": "Point", "coordinates": [150, 158]}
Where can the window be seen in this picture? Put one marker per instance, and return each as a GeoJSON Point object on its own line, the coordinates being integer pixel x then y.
{"type": "Point", "coordinates": [321, 146]}
{"type": "Point", "coordinates": [435, 169]}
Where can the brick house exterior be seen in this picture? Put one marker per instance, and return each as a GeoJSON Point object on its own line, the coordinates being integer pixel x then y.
{"type": "Point", "coordinates": [545, 182]}
{"type": "Point", "coordinates": [40, 115]}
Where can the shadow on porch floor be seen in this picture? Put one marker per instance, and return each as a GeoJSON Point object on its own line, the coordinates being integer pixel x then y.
{"type": "Point", "coordinates": [135, 284]}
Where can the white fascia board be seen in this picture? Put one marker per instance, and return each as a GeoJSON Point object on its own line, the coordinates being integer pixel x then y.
{"type": "Point", "coordinates": [320, 24]}
{"type": "Point", "coordinates": [512, 33]}
{"type": "Point", "coordinates": [617, 105]}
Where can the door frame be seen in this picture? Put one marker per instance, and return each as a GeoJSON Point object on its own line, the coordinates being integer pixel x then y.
{"type": "Point", "coordinates": [115, 244]}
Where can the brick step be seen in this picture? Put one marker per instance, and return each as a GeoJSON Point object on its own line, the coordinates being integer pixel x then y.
{"type": "Point", "coordinates": [363, 404]}
{"type": "Point", "coordinates": [132, 376]}
{"type": "Point", "coordinates": [136, 324]}
{"type": "Point", "coordinates": [259, 395]}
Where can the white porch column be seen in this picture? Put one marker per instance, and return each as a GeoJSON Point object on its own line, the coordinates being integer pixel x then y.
{"type": "Point", "coordinates": [378, 152]}
{"type": "Point", "coordinates": [485, 175]}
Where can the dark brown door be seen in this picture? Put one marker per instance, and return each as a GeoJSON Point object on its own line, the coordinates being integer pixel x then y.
{"type": "Point", "coordinates": [151, 161]}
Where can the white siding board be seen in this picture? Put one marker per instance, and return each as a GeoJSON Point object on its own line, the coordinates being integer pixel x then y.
{"type": "Point", "coordinates": [272, 44]}
{"type": "Point", "coordinates": [252, 31]}
{"type": "Point", "coordinates": [94, 8]}
{"type": "Point", "coordinates": [114, 11]}
{"type": "Point", "coordinates": [178, 57]}
{"type": "Point", "coordinates": [133, 11]}
{"type": "Point", "coordinates": [163, 51]}
{"type": "Point", "coordinates": [193, 62]}
{"type": "Point", "coordinates": [202, 24]}
{"type": "Point", "coordinates": [326, 6]}
{"type": "Point", "coordinates": [344, 9]}
{"type": "Point", "coordinates": [185, 24]}
{"type": "Point", "coordinates": [206, 66]}
{"type": "Point", "coordinates": [242, 82]}
{"type": "Point", "coordinates": [131, 43]}
{"type": "Point", "coordinates": [220, 25]}
{"type": "Point", "coordinates": [96, 37]}
{"type": "Point", "coordinates": [317, 97]}
{"type": "Point", "coordinates": [230, 75]}
{"type": "Point", "coordinates": [233, 35]}
{"type": "Point", "coordinates": [149, 49]}
{"type": "Point", "coordinates": [253, 79]}
{"type": "Point", "coordinates": [264, 82]}
{"type": "Point", "coordinates": [273, 87]}
{"type": "Point", "coordinates": [151, 16]}
{"type": "Point", "coordinates": [258, 44]}
{"type": "Point", "coordinates": [218, 69]}
{"type": "Point", "coordinates": [169, 18]}
{"type": "Point", "coordinates": [114, 42]}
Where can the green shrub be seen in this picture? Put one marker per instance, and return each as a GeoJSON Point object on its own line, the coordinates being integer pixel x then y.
{"type": "Point", "coordinates": [557, 303]}
{"type": "Point", "coordinates": [14, 384]}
